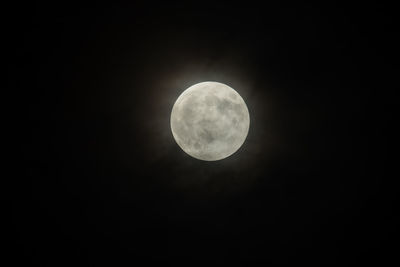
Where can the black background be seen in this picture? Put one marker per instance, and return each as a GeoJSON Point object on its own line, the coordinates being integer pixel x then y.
{"type": "Point", "coordinates": [102, 182]}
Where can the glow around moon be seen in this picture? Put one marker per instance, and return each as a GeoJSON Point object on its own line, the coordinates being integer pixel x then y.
{"type": "Point", "coordinates": [210, 121]}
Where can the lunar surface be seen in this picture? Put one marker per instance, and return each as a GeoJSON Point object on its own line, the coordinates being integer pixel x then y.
{"type": "Point", "coordinates": [210, 121]}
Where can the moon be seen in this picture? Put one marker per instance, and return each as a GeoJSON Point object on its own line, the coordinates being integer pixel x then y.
{"type": "Point", "coordinates": [210, 121]}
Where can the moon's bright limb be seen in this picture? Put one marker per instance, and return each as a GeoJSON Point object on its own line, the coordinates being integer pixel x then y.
{"type": "Point", "coordinates": [210, 121]}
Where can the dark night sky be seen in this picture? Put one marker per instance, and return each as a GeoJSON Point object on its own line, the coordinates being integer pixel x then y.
{"type": "Point", "coordinates": [103, 182]}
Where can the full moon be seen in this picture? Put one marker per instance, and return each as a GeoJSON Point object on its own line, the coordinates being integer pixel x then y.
{"type": "Point", "coordinates": [210, 121]}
